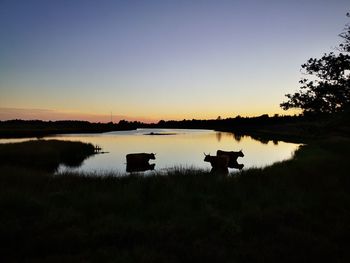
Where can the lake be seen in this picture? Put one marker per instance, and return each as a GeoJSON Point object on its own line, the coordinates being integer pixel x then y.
{"type": "Point", "coordinates": [173, 148]}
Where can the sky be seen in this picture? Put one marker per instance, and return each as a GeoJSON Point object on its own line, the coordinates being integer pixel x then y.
{"type": "Point", "coordinates": [150, 60]}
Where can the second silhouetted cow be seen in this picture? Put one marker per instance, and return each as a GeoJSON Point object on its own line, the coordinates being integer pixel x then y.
{"type": "Point", "coordinates": [232, 157]}
{"type": "Point", "coordinates": [219, 164]}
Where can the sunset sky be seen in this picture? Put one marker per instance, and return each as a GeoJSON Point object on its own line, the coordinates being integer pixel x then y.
{"type": "Point", "coordinates": [152, 60]}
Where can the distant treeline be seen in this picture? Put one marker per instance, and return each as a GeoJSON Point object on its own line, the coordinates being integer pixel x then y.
{"type": "Point", "coordinates": [228, 123]}
{"type": "Point", "coordinates": [277, 126]}
{"type": "Point", "coordinates": [297, 128]}
{"type": "Point", "coordinates": [37, 128]}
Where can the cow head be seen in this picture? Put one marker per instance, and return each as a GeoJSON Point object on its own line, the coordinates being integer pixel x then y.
{"type": "Point", "coordinates": [207, 157]}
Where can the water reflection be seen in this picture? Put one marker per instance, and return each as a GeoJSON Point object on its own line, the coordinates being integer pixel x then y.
{"type": "Point", "coordinates": [218, 136]}
{"type": "Point", "coordinates": [237, 165]}
{"type": "Point", "coordinates": [132, 168]}
{"type": "Point", "coordinates": [237, 137]}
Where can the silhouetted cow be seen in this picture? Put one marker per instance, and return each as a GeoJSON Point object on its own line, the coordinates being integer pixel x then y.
{"type": "Point", "coordinates": [139, 158]}
{"type": "Point", "coordinates": [232, 157]}
{"type": "Point", "coordinates": [219, 164]}
{"type": "Point", "coordinates": [139, 162]}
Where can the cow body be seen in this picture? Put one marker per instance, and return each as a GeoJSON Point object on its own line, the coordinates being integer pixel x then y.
{"type": "Point", "coordinates": [139, 158]}
{"type": "Point", "coordinates": [139, 162]}
{"type": "Point", "coordinates": [232, 157]}
{"type": "Point", "coordinates": [219, 164]}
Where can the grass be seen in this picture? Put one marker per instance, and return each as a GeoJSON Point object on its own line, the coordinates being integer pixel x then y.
{"type": "Point", "coordinates": [293, 211]}
{"type": "Point", "coordinates": [44, 154]}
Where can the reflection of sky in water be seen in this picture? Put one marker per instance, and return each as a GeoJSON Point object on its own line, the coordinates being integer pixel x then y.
{"type": "Point", "coordinates": [185, 148]}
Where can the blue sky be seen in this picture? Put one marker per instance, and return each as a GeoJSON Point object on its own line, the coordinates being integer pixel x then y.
{"type": "Point", "coordinates": [152, 60]}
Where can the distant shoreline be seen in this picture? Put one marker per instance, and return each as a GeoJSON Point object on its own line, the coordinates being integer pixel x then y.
{"type": "Point", "coordinates": [297, 129]}
{"type": "Point", "coordinates": [37, 128]}
{"type": "Point", "coordinates": [40, 134]}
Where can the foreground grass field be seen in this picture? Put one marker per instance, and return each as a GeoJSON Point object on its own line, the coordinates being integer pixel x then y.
{"type": "Point", "coordinates": [294, 211]}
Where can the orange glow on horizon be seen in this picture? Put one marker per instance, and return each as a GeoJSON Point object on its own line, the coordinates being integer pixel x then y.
{"type": "Point", "coordinates": [53, 115]}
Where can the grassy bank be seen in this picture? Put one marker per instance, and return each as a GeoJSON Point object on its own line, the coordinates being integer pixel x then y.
{"type": "Point", "coordinates": [294, 211]}
{"type": "Point", "coordinates": [44, 154]}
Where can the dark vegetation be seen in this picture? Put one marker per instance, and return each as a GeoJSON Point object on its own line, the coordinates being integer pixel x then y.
{"type": "Point", "coordinates": [44, 155]}
{"type": "Point", "coordinates": [294, 211]}
{"type": "Point", "coordinates": [300, 128]}
{"type": "Point", "coordinates": [37, 128]}
{"type": "Point", "coordinates": [327, 90]}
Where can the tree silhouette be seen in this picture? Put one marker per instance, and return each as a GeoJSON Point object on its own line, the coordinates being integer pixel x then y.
{"type": "Point", "coordinates": [328, 88]}
{"type": "Point", "coordinates": [345, 35]}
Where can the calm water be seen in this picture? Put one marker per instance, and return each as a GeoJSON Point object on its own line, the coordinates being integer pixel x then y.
{"type": "Point", "coordinates": [182, 148]}
{"type": "Point", "coordinates": [178, 148]}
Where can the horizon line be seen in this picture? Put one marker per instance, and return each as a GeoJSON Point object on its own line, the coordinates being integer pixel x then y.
{"type": "Point", "coordinates": [7, 114]}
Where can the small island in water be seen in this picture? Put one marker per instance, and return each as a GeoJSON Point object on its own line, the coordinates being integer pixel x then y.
{"type": "Point", "coordinates": [161, 133]}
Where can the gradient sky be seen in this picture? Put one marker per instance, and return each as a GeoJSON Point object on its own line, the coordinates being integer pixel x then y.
{"type": "Point", "coordinates": [152, 60]}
